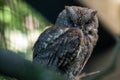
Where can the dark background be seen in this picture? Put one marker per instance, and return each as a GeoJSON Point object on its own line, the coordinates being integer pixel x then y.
{"type": "Point", "coordinates": [51, 8]}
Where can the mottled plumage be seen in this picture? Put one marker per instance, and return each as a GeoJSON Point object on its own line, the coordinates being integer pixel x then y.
{"type": "Point", "coordinates": [67, 46]}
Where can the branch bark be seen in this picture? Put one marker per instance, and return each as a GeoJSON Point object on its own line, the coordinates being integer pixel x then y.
{"type": "Point", "coordinates": [13, 65]}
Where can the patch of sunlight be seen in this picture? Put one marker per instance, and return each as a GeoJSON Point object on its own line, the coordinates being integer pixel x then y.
{"type": "Point", "coordinates": [17, 41]}
{"type": "Point", "coordinates": [33, 36]}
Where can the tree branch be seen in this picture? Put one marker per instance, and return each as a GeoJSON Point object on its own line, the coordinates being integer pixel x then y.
{"type": "Point", "coordinates": [13, 65]}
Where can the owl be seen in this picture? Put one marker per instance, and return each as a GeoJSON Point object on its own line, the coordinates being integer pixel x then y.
{"type": "Point", "coordinates": [67, 46]}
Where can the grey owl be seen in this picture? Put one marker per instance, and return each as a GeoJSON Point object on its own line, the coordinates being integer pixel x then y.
{"type": "Point", "coordinates": [67, 46]}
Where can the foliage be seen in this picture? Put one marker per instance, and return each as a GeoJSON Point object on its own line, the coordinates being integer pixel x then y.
{"type": "Point", "coordinates": [15, 17]}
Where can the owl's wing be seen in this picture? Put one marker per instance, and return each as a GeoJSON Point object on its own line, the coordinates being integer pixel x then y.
{"type": "Point", "coordinates": [47, 38]}
{"type": "Point", "coordinates": [58, 46]}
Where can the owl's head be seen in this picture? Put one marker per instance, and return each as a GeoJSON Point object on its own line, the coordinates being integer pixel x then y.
{"type": "Point", "coordinates": [80, 17]}
{"type": "Point", "coordinates": [74, 16]}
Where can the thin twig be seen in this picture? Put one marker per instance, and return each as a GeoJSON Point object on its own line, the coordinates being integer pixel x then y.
{"type": "Point", "coordinates": [83, 75]}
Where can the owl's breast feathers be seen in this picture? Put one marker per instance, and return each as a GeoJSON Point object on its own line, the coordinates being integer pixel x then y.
{"type": "Point", "coordinates": [59, 47]}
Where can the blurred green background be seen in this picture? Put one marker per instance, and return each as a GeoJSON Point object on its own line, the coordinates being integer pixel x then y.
{"type": "Point", "coordinates": [20, 25]}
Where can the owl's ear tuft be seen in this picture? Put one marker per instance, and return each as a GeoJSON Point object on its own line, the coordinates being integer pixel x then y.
{"type": "Point", "coordinates": [71, 12]}
{"type": "Point", "coordinates": [66, 7]}
{"type": "Point", "coordinates": [93, 12]}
